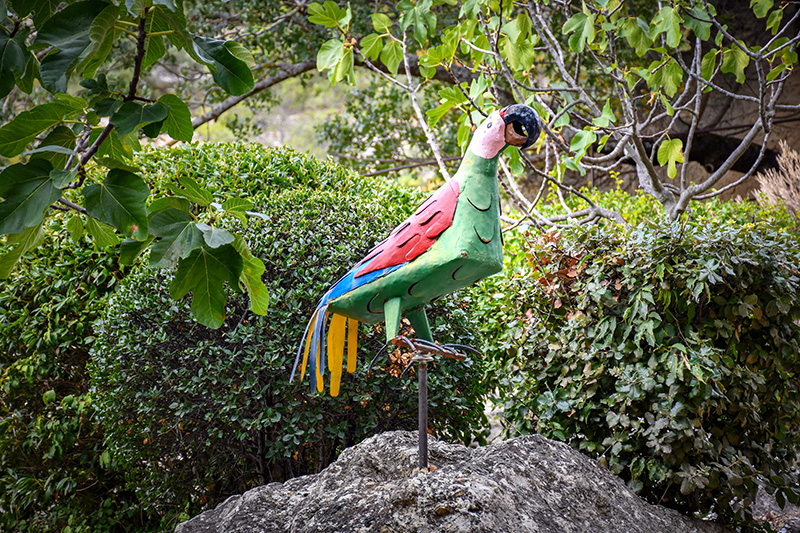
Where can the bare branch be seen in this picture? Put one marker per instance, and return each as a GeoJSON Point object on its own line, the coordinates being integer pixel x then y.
{"type": "Point", "coordinates": [423, 122]}
{"type": "Point", "coordinates": [286, 71]}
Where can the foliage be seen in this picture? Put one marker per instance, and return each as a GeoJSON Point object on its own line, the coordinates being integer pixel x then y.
{"type": "Point", "coordinates": [643, 208]}
{"type": "Point", "coordinates": [668, 353]}
{"type": "Point", "coordinates": [193, 415]}
{"type": "Point", "coordinates": [614, 81]}
{"type": "Point", "coordinates": [94, 113]}
{"type": "Point", "coordinates": [55, 474]}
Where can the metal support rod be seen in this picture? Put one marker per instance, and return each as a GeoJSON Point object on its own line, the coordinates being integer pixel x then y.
{"type": "Point", "coordinates": [422, 374]}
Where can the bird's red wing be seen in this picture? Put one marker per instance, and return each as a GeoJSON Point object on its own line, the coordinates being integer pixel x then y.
{"type": "Point", "coordinates": [417, 233]}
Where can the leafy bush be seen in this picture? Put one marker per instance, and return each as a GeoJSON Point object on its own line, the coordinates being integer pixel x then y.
{"type": "Point", "coordinates": [53, 472]}
{"type": "Point", "coordinates": [193, 414]}
{"type": "Point", "coordinates": [643, 208]}
{"type": "Point", "coordinates": [669, 354]}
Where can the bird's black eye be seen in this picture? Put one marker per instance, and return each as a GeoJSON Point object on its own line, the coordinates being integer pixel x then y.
{"type": "Point", "coordinates": [489, 125]}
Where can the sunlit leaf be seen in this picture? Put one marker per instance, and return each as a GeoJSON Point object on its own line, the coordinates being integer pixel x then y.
{"type": "Point", "coordinates": [204, 273]}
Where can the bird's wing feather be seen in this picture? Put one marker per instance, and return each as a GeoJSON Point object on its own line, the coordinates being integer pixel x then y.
{"type": "Point", "coordinates": [407, 241]}
{"type": "Point", "coordinates": [416, 234]}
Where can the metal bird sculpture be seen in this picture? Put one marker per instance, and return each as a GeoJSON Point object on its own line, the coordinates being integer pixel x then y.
{"type": "Point", "coordinates": [452, 240]}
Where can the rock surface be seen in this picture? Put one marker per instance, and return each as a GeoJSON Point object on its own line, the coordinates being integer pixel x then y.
{"type": "Point", "coordinates": [526, 484]}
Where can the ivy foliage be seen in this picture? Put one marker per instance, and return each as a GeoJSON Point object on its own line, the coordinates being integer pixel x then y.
{"type": "Point", "coordinates": [193, 415]}
{"type": "Point", "coordinates": [670, 354]}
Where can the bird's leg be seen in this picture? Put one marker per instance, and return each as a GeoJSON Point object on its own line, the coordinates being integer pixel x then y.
{"type": "Point", "coordinates": [391, 314]}
{"type": "Point", "coordinates": [419, 321]}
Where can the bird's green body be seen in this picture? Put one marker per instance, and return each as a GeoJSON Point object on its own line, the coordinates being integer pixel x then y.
{"type": "Point", "coordinates": [469, 250]}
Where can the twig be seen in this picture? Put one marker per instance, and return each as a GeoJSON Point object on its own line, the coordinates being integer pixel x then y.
{"type": "Point", "coordinates": [412, 89]}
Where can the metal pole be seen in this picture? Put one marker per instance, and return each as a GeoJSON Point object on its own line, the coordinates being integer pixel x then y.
{"type": "Point", "coordinates": [422, 372]}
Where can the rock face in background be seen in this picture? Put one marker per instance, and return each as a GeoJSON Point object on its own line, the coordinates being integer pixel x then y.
{"type": "Point", "coordinates": [527, 484]}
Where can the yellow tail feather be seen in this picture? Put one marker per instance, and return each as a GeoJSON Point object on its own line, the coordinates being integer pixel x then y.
{"type": "Point", "coordinates": [352, 344]}
{"type": "Point", "coordinates": [336, 351]}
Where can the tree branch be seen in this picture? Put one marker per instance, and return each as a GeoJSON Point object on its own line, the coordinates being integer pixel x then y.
{"type": "Point", "coordinates": [286, 71]}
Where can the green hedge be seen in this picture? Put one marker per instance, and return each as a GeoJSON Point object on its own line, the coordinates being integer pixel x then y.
{"type": "Point", "coordinates": [670, 354]}
{"type": "Point", "coordinates": [53, 475]}
{"type": "Point", "coordinates": [193, 415]}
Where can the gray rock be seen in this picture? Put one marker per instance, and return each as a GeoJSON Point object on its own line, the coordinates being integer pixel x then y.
{"type": "Point", "coordinates": [526, 484]}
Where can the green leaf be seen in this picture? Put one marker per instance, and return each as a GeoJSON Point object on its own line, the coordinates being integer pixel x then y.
{"type": "Point", "coordinates": [120, 201]}
{"type": "Point", "coordinates": [192, 191]}
{"type": "Point", "coordinates": [204, 274]}
{"type": "Point", "coordinates": [252, 270]}
{"type": "Point", "coordinates": [381, 22]}
{"type": "Point", "coordinates": [75, 228]}
{"type": "Point", "coordinates": [330, 54]}
{"type": "Point", "coordinates": [130, 249]}
{"type": "Point", "coordinates": [344, 69]}
{"type": "Point", "coordinates": [667, 21]}
{"type": "Point", "coordinates": [761, 7]}
{"type": "Point", "coordinates": [418, 15]}
{"type": "Point", "coordinates": [581, 142]}
{"type": "Point", "coordinates": [68, 32]}
{"type": "Point", "coordinates": [606, 118]}
{"type": "Point", "coordinates": [700, 28]}
{"type": "Point", "coordinates": [518, 29]}
{"type": "Point", "coordinates": [327, 15]}
{"type": "Point", "coordinates": [371, 46]}
{"type": "Point", "coordinates": [669, 153]}
{"type": "Point", "coordinates": [392, 55]}
{"type": "Point", "coordinates": [102, 34]}
{"type": "Point", "coordinates": [103, 235]}
{"type": "Point", "coordinates": [62, 178]}
{"type": "Point", "coordinates": [26, 126]}
{"type": "Point", "coordinates": [27, 191]}
{"type": "Point", "coordinates": [49, 396]}
{"type": "Point", "coordinates": [179, 235]}
{"type": "Point", "coordinates": [774, 21]}
{"type": "Point", "coordinates": [165, 202]}
{"type": "Point", "coordinates": [241, 53]}
{"type": "Point", "coordinates": [708, 64]}
{"type": "Point", "coordinates": [12, 62]}
{"type": "Point", "coordinates": [59, 138]}
{"type": "Point", "coordinates": [132, 115]}
{"type": "Point", "coordinates": [42, 10]}
{"type": "Point", "coordinates": [179, 120]}
{"type": "Point", "coordinates": [27, 240]}
{"type": "Point", "coordinates": [581, 26]}
{"type": "Point", "coordinates": [154, 47]}
{"type": "Point", "coordinates": [229, 72]}
{"type": "Point", "coordinates": [237, 208]}
{"type": "Point", "coordinates": [214, 237]}
{"type": "Point", "coordinates": [668, 76]}
{"type": "Point", "coordinates": [734, 61]}
{"type": "Point", "coordinates": [637, 36]}
{"type": "Point", "coordinates": [113, 148]}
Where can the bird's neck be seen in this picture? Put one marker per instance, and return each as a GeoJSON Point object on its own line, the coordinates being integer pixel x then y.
{"type": "Point", "coordinates": [476, 173]}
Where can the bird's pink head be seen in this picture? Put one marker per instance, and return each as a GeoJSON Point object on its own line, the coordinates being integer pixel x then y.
{"type": "Point", "coordinates": [515, 125]}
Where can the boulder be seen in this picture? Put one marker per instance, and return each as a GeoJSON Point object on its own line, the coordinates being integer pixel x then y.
{"type": "Point", "coordinates": [526, 484]}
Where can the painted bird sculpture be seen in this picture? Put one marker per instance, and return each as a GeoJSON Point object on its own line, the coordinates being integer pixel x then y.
{"type": "Point", "coordinates": [452, 240]}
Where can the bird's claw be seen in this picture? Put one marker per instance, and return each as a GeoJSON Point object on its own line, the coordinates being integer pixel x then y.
{"type": "Point", "coordinates": [423, 349]}
{"type": "Point", "coordinates": [421, 346]}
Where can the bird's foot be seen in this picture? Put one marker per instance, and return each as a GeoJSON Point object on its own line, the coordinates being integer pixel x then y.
{"type": "Point", "coordinates": [423, 347]}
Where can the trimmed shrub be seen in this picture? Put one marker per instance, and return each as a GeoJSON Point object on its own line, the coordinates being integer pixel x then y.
{"type": "Point", "coordinates": [193, 414]}
{"type": "Point", "coordinates": [669, 354]}
{"type": "Point", "coordinates": [54, 473]}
